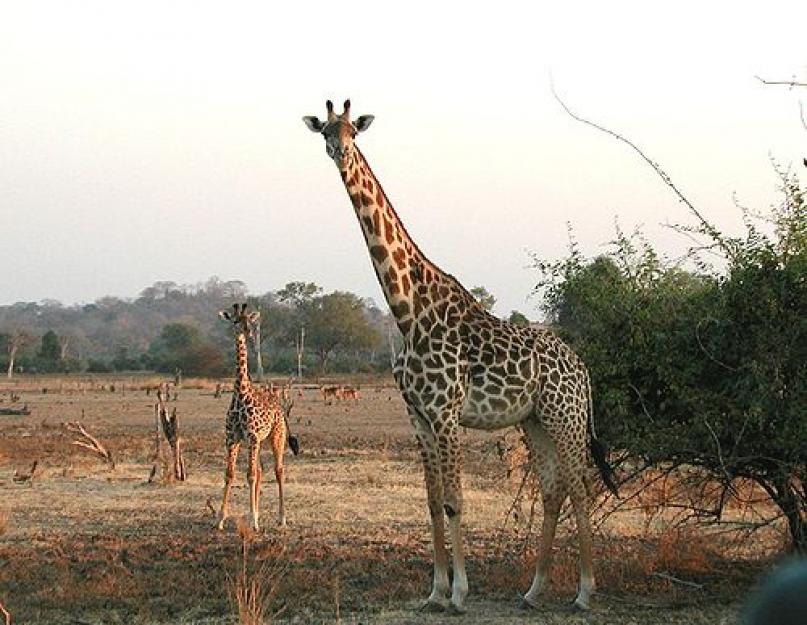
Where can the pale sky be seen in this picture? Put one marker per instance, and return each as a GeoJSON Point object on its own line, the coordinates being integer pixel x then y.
{"type": "Point", "coordinates": [145, 141]}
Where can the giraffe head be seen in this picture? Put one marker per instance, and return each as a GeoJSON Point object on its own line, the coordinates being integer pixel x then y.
{"type": "Point", "coordinates": [240, 319]}
{"type": "Point", "coordinates": [339, 131]}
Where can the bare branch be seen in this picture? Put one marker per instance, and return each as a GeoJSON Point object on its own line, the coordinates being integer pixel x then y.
{"type": "Point", "coordinates": [707, 227]}
{"type": "Point", "coordinates": [790, 83]}
{"type": "Point", "coordinates": [90, 442]}
{"type": "Point", "coordinates": [6, 614]}
{"type": "Point", "coordinates": [676, 580]}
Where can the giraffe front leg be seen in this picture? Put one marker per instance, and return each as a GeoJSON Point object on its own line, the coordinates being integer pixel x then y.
{"type": "Point", "coordinates": [254, 484]}
{"type": "Point", "coordinates": [437, 600]}
{"type": "Point", "coordinates": [229, 474]}
{"type": "Point", "coordinates": [449, 447]}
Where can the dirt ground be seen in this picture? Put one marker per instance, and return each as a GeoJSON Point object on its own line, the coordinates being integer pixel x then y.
{"type": "Point", "coordinates": [81, 543]}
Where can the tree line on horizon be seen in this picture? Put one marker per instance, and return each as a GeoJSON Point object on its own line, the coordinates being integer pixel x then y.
{"type": "Point", "coordinates": [170, 327]}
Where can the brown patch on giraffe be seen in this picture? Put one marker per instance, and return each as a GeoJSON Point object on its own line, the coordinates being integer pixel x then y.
{"type": "Point", "coordinates": [389, 232]}
{"type": "Point", "coordinates": [368, 224]}
{"type": "Point", "coordinates": [399, 310]}
{"type": "Point", "coordinates": [379, 196]}
{"type": "Point", "coordinates": [379, 253]}
{"type": "Point", "coordinates": [405, 288]}
{"type": "Point", "coordinates": [377, 222]}
{"type": "Point", "coordinates": [399, 256]}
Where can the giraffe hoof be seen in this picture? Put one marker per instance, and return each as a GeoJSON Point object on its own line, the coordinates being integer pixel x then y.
{"type": "Point", "coordinates": [526, 604]}
{"type": "Point", "coordinates": [455, 610]}
{"type": "Point", "coordinates": [579, 606]}
{"type": "Point", "coordinates": [432, 607]}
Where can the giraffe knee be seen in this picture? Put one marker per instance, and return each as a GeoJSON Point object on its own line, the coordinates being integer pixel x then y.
{"type": "Point", "coordinates": [435, 508]}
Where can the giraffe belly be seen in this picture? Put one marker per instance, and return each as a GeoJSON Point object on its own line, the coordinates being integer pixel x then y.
{"type": "Point", "coordinates": [489, 414]}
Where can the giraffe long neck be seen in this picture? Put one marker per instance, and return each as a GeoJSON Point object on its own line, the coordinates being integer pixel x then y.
{"type": "Point", "coordinates": [409, 280]}
{"type": "Point", "coordinates": [242, 382]}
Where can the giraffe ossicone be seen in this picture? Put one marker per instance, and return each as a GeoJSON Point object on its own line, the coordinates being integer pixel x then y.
{"type": "Point", "coordinates": [461, 366]}
{"type": "Point", "coordinates": [254, 415]}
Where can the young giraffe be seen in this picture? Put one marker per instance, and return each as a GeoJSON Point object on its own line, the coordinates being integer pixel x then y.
{"type": "Point", "coordinates": [461, 366]}
{"type": "Point", "coordinates": [254, 415]}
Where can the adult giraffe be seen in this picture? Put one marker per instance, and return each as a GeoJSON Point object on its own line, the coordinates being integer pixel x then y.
{"type": "Point", "coordinates": [461, 366]}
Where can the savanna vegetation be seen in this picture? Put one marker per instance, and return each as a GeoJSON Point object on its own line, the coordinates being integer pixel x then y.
{"type": "Point", "coordinates": [698, 365]}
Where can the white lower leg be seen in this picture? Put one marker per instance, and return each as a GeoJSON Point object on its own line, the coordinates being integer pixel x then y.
{"type": "Point", "coordinates": [459, 588]}
{"type": "Point", "coordinates": [544, 563]}
{"type": "Point", "coordinates": [583, 599]}
{"type": "Point", "coordinates": [586, 589]}
{"type": "Point", "coordinates": [281, 512]}
{"type": "Point", "coordinates": [440, 580]}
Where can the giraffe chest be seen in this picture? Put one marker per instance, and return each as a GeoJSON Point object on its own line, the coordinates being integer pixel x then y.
{"type": "Point", "coordinates": [253, 418]}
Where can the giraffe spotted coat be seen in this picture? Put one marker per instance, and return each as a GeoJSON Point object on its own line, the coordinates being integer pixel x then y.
{"type": "Point", "coordinates": [461, 366]}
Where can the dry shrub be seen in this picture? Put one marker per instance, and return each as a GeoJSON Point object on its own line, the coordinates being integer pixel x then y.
{"type": "Point", "coordinates": [3, 522]}
{"type": "Point", "coordinates": [255, 585]}
{"type": "Point", "coordinates": [682, 549]}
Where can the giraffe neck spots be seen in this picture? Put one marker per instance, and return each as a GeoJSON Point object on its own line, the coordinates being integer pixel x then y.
{"type": "Point", "coordinates": [242, 382]}
{"type": "Point", "coordinates": [411, 283]}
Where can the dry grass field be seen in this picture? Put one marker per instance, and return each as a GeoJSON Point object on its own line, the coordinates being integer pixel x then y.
{"type": "Point", "coordinates": [81, 543]}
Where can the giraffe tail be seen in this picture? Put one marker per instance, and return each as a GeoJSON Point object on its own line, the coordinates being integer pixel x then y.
{"type": "Point", "coordinates": [599, 451]}
{"type": "Point", "coordinates": [294, 443]}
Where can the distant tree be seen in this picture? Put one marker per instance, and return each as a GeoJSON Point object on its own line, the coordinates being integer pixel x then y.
{"type": "Point", "coordinates": [95, 365]}
{"type": "Point", "coordinates": [124, 362]}
{"type": "Point", "coordinates": [518, 319]}
{"type": "Point", "coordinates": [48, 358]}
{"type": "Point", "coordinates": [15, 340]}
{"type": "Point", "coordinates": [484, 297]}
{"type": "Point", "coordinates": [337, 320]}
{"type": "Point", "coordinates": [297, 293]}
{"type": "Point", "coordinates": [50, 349]}
{"type": "Point", "coordinates": [182, 346]}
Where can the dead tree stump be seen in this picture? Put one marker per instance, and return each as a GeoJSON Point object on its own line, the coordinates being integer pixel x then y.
{"type": "Point", "coordinates": [169, 427]}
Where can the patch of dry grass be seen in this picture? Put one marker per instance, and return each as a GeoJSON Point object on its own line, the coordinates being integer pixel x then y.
{"type": "Point", "coordinates": [255, 585]}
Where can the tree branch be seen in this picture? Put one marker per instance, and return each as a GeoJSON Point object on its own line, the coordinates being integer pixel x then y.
{"type": "Point", "coordinates": [790, 83]}
{"type": "Point", "coordinates": [707, 227]}
{"type": "Point", "coordinates": [90, 443]}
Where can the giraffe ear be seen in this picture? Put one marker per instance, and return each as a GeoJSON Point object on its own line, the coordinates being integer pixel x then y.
{"type": "Point", "coordinates": [223, 314]}
{"type": "Point", "coordinates": [363, 122]}
{"type": "Point", "coordinates": [254, 317]}
{"type": "Point", "coordinates": [313, 123]}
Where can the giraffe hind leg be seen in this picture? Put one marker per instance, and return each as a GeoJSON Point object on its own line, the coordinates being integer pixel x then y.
{"type": "Point", "coordinates": [568, 432]}
{"type": "Point", "coordinates": [553, 494]}
{"type": "Point", "coordinates": [278, 448]}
